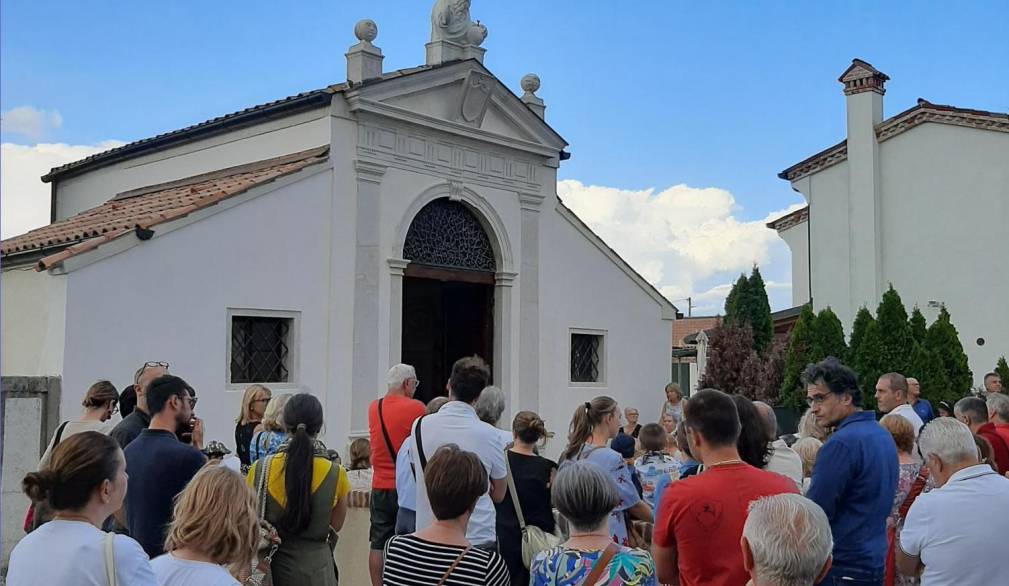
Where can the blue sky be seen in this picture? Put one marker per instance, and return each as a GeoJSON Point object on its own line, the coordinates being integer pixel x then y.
{"type": "Point", "coordinates": [649, 94]}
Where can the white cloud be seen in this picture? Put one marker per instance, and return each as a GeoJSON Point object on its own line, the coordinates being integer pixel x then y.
{"type": "Point", "coordinates": [682, 238]}
{"type": "Point", "coordinates": [24, 199]}
{"type": "Point", "coordinates": [29, 122]}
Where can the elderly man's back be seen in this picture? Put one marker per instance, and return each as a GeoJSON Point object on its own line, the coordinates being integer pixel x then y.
{"type": "Point", "coordinates": [958, 530]}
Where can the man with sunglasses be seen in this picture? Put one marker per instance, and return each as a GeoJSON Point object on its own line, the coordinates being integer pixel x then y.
{"type": "Point", "coordinates": [855, 476]}
{"type": "Point", "coordinates": [130, 427]}
{"type": "Point", "coordinates": [159, 466]}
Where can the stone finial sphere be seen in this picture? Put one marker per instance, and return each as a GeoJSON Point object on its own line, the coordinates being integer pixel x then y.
{"type": "Point", "coordinates": [476, 34]}
{"type": "Point", "coordinates": [530, 83]}
{"type": "Point", "coordinates": [366, 30]}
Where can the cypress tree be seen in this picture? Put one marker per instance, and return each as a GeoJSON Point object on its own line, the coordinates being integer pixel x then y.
{"type": "Point", "coordinates": [862, 320]}
{"type": "Point", "coordinates": [895, 333]}
{"type": "Point", "coordinates": [828, 337]}
{"type": "Point", "coordinates": [918, 326]}
{"type": "Point", "coordinates": [943, 340]}
{"type": "Point", "coordinates": [870, 363]}
{"type": "Point", "coordinates": [1002, 370]}
{"type": "Point", "coordinates": [758, 310]}
{"type": "Point", "coordinates": [734, 300]}
{"type": "Point", "coordinates": [797, 356]}
{"type": "Point", "coordinates": [927, 367]}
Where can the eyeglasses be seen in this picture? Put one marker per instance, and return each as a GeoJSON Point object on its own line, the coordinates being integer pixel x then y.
{"type": "Point", "coordinates": [191, 398]}
{"type": "Point", "coordinates": [113, 408]}
{"type": "Point", "coordinates": [817, 399]}
{"type": "Point", "coordinates": [416, 383]}
{"type": "Point", "coordinates": [156, 364]}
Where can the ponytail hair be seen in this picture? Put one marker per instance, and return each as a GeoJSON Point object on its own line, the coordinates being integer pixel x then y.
{"type": "Point", "coordinates": [79, 465]}
{"type": "Point", "coordinates": [528, 427]}
{"type": "Point", "coordinates": [586, 417]}
{"type": "Point", "coordinates": [303, 419]}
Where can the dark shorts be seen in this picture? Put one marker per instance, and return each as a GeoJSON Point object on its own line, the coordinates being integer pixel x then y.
{"type": "Point", "coordinates": [384, 506]}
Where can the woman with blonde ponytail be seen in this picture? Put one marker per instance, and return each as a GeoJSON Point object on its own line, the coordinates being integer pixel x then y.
{"type": "Point", "coordinates": [593, 425]}
{"type": "Point", "coordinates": [531, 475]}
{"type": "Point", "coordinates": [306, 497]}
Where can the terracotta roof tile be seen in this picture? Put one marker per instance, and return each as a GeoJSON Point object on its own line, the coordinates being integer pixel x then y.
{"type": "Point", "coordinates": [692, 325]}
{"type": "Point", "coordinates": [147, 207]}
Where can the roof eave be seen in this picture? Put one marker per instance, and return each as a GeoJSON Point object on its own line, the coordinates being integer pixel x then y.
{"type": "Point", "coordinates": [308, 101]}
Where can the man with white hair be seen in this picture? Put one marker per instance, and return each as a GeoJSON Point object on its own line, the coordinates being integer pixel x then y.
{"type": "Point", "coordinates": [786, 542]}
{"type": "Point", "coordinates": [389, 421]}
{"type": "Point", "coordinates": [998, 413]}
{"type": "Point", "coordinates": [490, 405]}
{"type": "Point", "coordinates": [921, 406]}
{"type": "Point", "coordinates": [950, 536]}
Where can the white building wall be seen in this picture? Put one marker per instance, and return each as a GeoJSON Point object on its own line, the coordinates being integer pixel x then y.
{"type": "Point", "coordinates": [265, 140]}
{"type": "Point", "coordinates": [34, 306]}
{"type": "Point", "coordinates": [582, 288]}
{"type": "Point", "coordinates": [268, 253]}
{"type": "Point", "coordinates": [943, 207]}
{"type": "Point", "coordinates": [797, 239]}
{"type": "Point", "coordinates": [944, 211]}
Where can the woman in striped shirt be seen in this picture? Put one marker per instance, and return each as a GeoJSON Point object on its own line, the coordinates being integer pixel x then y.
{"type": "Point", "coordinates": [439, 554]}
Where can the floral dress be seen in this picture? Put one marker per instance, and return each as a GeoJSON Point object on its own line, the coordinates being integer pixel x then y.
{"type": "Point", "coordinates": [569, 567]}
{"type": "Point", "coordinates": [265, 443]}
{"type": "Point", "coordinates": [614, 464]}
{"type": "Point", "coordinates": [906, 474]}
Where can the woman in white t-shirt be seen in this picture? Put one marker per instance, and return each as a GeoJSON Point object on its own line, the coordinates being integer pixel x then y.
{"type": "Point", "coordinates": [84, 483]}
{"type": "Point", "coordinates": [214, 525]}
{"type": "Point", "coordinates": [100, 404]}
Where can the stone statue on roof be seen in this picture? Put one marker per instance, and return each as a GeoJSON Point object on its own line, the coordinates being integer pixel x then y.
{"type": "Point", "coordinates": [450, 22]}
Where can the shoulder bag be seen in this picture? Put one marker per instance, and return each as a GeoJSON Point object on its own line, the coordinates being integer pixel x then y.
{"type": "Point", "coordinates": [600, 566]}
{"type": "Point", "coordinates": [269, 540]}
{"type": "Point", "coordinates": [534, 539]}
{"type": "Point", "coordinates": [108, 545]}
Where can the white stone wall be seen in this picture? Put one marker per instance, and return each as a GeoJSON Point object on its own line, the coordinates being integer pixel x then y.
{"type": "Point", "coordinates": [33, 322]}
{"type": "Point", "coordinates": [265, 140]}
{"type": "Point", "coordinates": [168, 299]}
{"type": "Point", "coordinates": [797, 238]}
{"type": "Point", "coordinates": [22, 424]}
{"type": "Point", "coordinates": [944, 202]}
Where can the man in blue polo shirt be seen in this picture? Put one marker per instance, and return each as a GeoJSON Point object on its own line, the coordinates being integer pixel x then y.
{"type": "Point", "coordinates": [855, 476]}
{"type": "Point", "coordinates": [159, 466]}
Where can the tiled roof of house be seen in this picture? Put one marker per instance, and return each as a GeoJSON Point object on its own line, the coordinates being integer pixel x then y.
{"type": "Point", "coordinates": [785, 222]}
{"type": "Point", "coordinates": [687, 326]}
{"type": "Point", "coordinates": [923, 111]}
{"type": "Point", "coordinates": [142, 209]}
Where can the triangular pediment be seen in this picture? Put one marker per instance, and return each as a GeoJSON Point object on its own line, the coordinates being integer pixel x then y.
{"type": "Point", "coordinates": [462, 97]}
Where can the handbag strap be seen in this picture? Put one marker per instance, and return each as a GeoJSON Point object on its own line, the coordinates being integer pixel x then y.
{"type": "Point", "coordinates": [262, 473]}
{"type": "Point", "coordinates": [600, 565]}
{"type": "Point", "coordinates": [385, 432]}
{"type": "Point", "coordinates": [514, 493]}
{"type": "Point", "coordinates": [452, 568]}
{"type": "Point", "coordinates": [420, 443]}
{"type": "Point", "coordinates": [916, 488]}
{"type": "Point", "coordinates": [59, 433]}
{"type": "Point", "coordinates": [110, 558]}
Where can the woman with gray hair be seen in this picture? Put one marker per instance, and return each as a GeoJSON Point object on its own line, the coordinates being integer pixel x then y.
{"type": "Point", "coordinates": [786, 541]}
{"type": "Point", "coordinates": [585, 495]}
{"type": "Point", "coordinates": [489, 407]}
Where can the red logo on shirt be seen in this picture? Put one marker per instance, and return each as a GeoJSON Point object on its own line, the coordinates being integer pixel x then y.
{"type": "Point", "coordinates": [707, 513]}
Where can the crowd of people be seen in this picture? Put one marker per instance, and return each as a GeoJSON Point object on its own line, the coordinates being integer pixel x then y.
{"type": "Point", "coordinates": [706, 491]}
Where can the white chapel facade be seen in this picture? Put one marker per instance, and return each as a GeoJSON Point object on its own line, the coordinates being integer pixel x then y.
{"type": "Point", "coordinates": [312, 242]}
{"type": "Point", "coordinates": [919, 200]}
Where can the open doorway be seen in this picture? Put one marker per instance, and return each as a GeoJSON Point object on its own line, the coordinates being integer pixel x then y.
{"type": "Point", "coordinates": [445, 319]}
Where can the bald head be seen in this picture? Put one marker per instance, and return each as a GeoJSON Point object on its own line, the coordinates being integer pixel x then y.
{"type": "Point", "coordinates": [770, 419]}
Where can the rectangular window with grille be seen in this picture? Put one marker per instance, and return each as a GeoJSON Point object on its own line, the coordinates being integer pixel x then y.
{"type": "Point", "coordinates": [587, 357]}
{"type": "Point", "coordinates": [261, 349]}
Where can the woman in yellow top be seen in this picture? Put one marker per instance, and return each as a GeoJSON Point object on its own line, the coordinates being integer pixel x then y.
{"type": "Point", "coordinates": [306, 496]}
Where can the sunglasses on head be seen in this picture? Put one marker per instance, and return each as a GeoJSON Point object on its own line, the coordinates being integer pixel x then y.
{"type": "Point", "coordinates": [155, 364]}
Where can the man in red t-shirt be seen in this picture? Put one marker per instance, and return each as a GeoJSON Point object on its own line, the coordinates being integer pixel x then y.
{"type": "Point", "coordinates": [700, 520]}
{"type": "Point", "coordinates": [389, 421]}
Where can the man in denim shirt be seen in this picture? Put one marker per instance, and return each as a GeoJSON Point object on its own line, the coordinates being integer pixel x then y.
{"type": "Point", "coordinates": [855, 476]}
